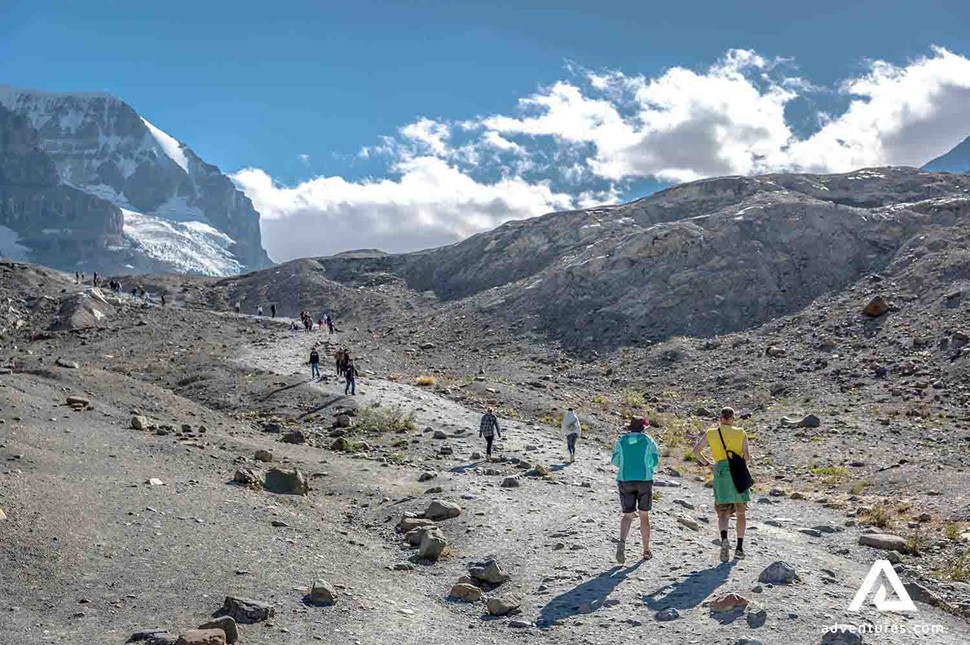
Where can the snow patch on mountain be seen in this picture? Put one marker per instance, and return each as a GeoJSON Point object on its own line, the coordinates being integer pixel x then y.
{"type": "Point", "coordinates": [10, 247]}
{"type": "Point", "coordinates": [188, 247]}
{"type": "Point", "coordinates": [170, 145]}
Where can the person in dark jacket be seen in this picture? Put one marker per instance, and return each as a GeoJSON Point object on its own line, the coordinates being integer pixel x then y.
{"type": "Point", "coordinates": [350, 374]}
{"type": "Point", "coordinates": [488, 428]}
{"type": "Point", "coordinates": [314, 364]}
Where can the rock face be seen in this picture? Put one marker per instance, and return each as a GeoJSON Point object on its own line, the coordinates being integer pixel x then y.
{"type": "Point", "coordinates": [86, 181]}
{"type": "Point", "coordinates": [664, 265]}
{"type": "Point", "coordinates": [956, 160]}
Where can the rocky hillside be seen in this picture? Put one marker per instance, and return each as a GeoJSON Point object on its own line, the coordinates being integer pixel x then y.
{"type": "Point", "coordinates": [699, 259]}
{"type": "Point", "coordinates": [179, 213]}
{"type": "Point", "coordinates": [956, 160]}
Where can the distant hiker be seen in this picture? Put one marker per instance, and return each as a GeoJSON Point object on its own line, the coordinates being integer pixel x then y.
{"type": "Point", "coordinates": [77, 277]}
{"type": "Point", "coordinates": [331, 325]}
{"type": "Point", "coordinates": [314, 364]}
{"type": "Point", "coordinates": [488, 428]}
{"type": "Point", "coordinates": [350, 374]}
{"type": "Point", "coordinates": [259, 310]}
{"type": "Point", "coordinates": [238, 307]}
{"type": "Point", "coordinates": [163, 299]}
{"type": "Point", "coordinates": [272, 310]}
{"type": "Point", "coordinates": [727, 443]}
{"type": "Point", "coordinates": [636, 457]}
{"type": "Point", "coordinates": [570, 430]}
{"type": "Point", "coordinates": [94, 280]}
{"type": "Point", "coordinates": [341, 361]}
{"type": "Point", "coordinates": [293, 326]}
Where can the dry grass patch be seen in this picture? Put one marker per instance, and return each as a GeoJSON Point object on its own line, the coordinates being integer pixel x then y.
{"type": "Point", "coordinates": [426, 380]}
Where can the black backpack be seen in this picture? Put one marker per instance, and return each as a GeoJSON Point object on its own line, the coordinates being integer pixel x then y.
{"type": "Point", "coordinates": [740, 474]}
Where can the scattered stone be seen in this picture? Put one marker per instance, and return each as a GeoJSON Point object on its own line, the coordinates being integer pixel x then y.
{"type": "Point", "coordinates": [139, 422]}
{"type": "Point", "coordinates": [433, 542]}
{"type": "Point", "coordinates": [71, 365]}
{"type": "Point", "coordinates": [226, 624]}
{"type": "Point", "coordinates": [884, 541]}
{"type": "Point", "coordinates": [408, 523]}
{"type": "Point", "coordinates": [775, 351]}
{"type": "Point", "coordinates": [666, 615]}
{"type": "Point", "coordinates": [3, 515]}
{"type": "Point", "coordinates": [246, 610]}
{"type": "Point", "coordinates": [154, 481]}
{"type": "Point", "coordinates": [756, 619]}
{"type": "Point", "coordinates": [779, 573]}
{"type": "Point", "coordinates": [510, 482]}
{"type": "Point", "coordinates": [286, 482]}
{"type": "Point", "coordinates": [876, 307]}
{"type": "Point", "coordinates": [689, 522]}
{"type": "Point", "coordinates": [427, 476]}
{"type": "Point", "coordinates": [465, 592]}
{"type": "Point", "coordinates": [440, 510]}
{"type": "Point", "coordinates": [439, 434]}
{"type": "Point", "coordinates": [920, 593]}
{"type": "Point", "coordinates": [246, 477]}
{"type": "Point", "coordinates": [489, 571]}
{"type": "Point", "coordinates": [519, 624]}
{"type": "Point", "coordinates": [808, 421]}
{"type": "Point", "coordinates": [842, 635]}
{"type": "Point", "coordinates": [475, 456]}
{"type": "Point", "coordinates": [263, 455]}
{"type": "Point", "coordinates": [202, 637]}
{"type": "Point", "coordinates": [503, 605]}
{"type": "Point", "coordinates": [322, 594]}
{"type": "Point", "coordinates": [78, 402]}
{"type": "Point", "coordinates": [446, 450]}
{"type": "Point", "coordinates": [728, 602]}
{"type": "Point", "coordinates": [344, 421]}
{"type": "Point", "coordinates": [295, 437]}
{"type": "Point", "coordinates": [152, 637]}
{"type": "Point", "coordinates": [403, 566]}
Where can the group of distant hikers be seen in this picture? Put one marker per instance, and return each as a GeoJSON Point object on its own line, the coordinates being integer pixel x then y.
{"type": "Point", "coordinates": [345, 366]}
{"type": "Point", "coordinates": [723, 449]}
{"type": "Point", "coordinates": [307, 320]}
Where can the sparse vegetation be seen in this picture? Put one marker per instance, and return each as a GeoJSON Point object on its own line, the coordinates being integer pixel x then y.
{"type": "Point", "coordinates": [953, 531]}
{"type": "Point", "coordinates": [426, 380]}
{"type": "Point", "coordinates": [831, 474]}
{"type": "Point", "coordinates": [858, 487]}
{"type": "Point", "coordinates": [378, 420]}
{"type": "Point", "coordinates": [877, 516]}
{"type": "Point", "coordinates": [633, 399]}
{"type": "Point", "coordinates": [958, 568]}
{"type": "Point", "coordinates": [916, 541]}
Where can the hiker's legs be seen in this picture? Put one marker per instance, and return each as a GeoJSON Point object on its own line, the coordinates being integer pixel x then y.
{"type": "Point", "coordinates": [353, 386]}
{"type": "Point", "coordinates": [645, 530]}
{"type": "Point", "coordinates": [626, 521]}
{"type": "Point", "coordinates": [347, 387]}
{"type": "Point", "coordinates": [740, 520]}
{"type": "Point", "coordinates": [488, 446]}
{"type": "Point", "coordinates": [571, 444]}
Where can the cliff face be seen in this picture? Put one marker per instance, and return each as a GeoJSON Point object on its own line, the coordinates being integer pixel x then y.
{"type": "Point", "coordinates": [59, 225]}
{"type": "Point", "coordinates": [99, 145]}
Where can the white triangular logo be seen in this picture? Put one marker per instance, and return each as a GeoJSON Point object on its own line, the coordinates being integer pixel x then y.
{"type": "Point", "coordinates": [885, 569]}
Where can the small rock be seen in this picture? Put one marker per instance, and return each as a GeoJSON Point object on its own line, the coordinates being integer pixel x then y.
{"type": "Point", "coordinates": [510, 482]}
{"type": "Point", "coordinates": [440, 510]}
{"type": "Point", "coordinates": [666, 615]}
{"type": "Point", "coordinates": [246, 610]}
{"type": "Point", "coordinates": [503, 605]}
{"type": "Point", "coordinates": [344, 421]}
{"type": "Point", "coordinates": [71, 365]}
{"type": "Point", "coordinates": [728, 602]}
{"type": "Point", "coordinates": [322, 593]}
{"type": "Point", "coordinates": [154, 481]}
{"type": "Point", "coordinates": [246, 477]}
{"type": "Point", "coordinates": [263, 455]}
{"type": "Point", "coordinates": [876, 307]}
{"type": "Point", "coordinates": [139, 422]}
{"type": "Point", "coordinates": [286, 482]}
{"type": "Point", "coordinates": [433, 542]}
{"type": "Point", "coordinates": [78, 401]}
{"type": "Point", "coordinates": [489, 571]}
{"type": "Point", "coordinates": [294, 437]}
{"type": "Point", "coordinates": [689, 522]}
{"type": "Point", "coordinates": [202, 637]}
{"type": "Point", "coordinates": [779, 573]}
{"type": "Point", "coordinates": [841, 635]}
{"type": "Point", "coordinates": [439, 434]}
{"type": "Point", "coordinates": [409, 523]}
{"type": "Point", "coordinates": [756, 619]}
{"type": "Point", "coordinates": [226, 624]}
{"type": "Point", "coordinates": [884, 541]}
{"type": "Point", "coordinates": [466, 592]}
{"type": "Point", "coordinates": [427, 476]}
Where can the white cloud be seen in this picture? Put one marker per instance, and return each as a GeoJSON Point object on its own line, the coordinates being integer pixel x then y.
{"type": "Point", "coordinates": [429, 203]}
{"type": "Point", "coordinates": [304, 157]}
{"type": "Point", "coordinates": [582, 141]}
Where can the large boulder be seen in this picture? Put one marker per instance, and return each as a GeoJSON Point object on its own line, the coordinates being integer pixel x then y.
{"type": "Point", "coordinates": [884, 541]}
{"type": "Point", "coordinates": [82, 311]}
{"type": "Point", "coordinates": [286, 482]}
{"type": "Point", "coordinates": [432, 544]}
{"type": "Point", "coordinates": [440, 510]}
{"type": "Point", "coordinates": [778, 573]}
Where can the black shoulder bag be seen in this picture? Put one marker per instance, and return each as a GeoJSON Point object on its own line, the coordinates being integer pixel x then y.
{"type": "Point", "coordinates": [740, 474]}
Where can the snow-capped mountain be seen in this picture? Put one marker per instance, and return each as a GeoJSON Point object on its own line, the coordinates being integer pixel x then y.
{"type": "Point", "coordinates": [956, 160]}
{"type": "Point", "coordinates": [178, 212]}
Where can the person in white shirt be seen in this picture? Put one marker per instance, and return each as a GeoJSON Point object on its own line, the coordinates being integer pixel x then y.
{"type": "Point", "coordinates": [571, 429]}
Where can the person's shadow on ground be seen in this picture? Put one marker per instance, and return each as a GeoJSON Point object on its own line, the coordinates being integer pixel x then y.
{"type": "Point", "coordinates": [585, 598]}
{"type": "Point", "coordinates": [689, 591]}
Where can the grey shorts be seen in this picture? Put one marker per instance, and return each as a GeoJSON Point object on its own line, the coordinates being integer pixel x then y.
{"type": "Point", "coordinates": [636, 496]}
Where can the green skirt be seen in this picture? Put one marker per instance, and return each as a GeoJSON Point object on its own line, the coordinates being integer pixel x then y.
{"type": "Point", "coordinates": [724, 490]}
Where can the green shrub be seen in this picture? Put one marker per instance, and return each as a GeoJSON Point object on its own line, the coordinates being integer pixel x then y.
{"type": "Point", "coordinates": [385, 419]}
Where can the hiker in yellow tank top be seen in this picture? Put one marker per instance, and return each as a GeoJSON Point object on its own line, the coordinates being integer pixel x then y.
{"type": "Point", "coordinates": [727, 500]}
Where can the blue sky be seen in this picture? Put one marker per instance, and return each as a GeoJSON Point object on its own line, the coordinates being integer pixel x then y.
{"type": "Point", "coordinates": [296, 90]}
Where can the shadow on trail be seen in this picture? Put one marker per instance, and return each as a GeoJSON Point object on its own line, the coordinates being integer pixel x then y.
{"type": "Point", "coordinates": [283, 389]}
{"type": "Point", "coordinates": [587, 597]}
{"type": "Point", "coordinates": [690, 591]}
{"type": "Point", "coordinates": [323, 406]}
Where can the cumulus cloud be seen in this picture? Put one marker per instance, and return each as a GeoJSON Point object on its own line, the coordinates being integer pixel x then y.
{"type": "Point", "coordinates": [428, 203]}
{"type": "Point", "coordinates": [585, 140]}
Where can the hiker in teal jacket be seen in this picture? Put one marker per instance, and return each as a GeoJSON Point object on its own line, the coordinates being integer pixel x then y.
{"type": "Point", "coordinates": [636, 457]}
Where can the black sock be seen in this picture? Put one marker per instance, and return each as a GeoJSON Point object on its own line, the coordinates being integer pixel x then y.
{"type": "Point", "coordinates": [740, 544]}
{"type": "Point", "coordinates": [723, 535]}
